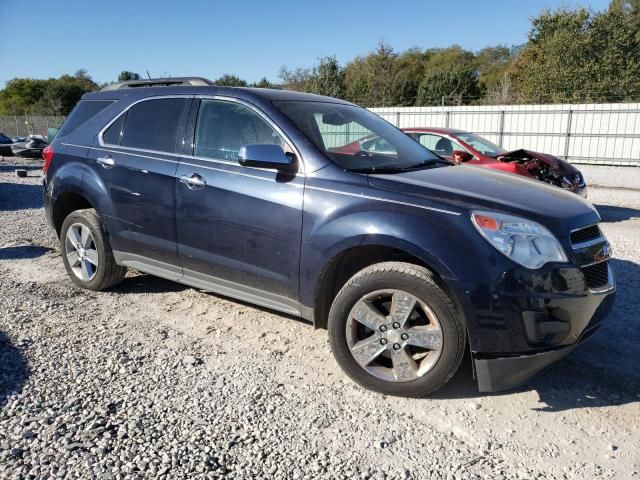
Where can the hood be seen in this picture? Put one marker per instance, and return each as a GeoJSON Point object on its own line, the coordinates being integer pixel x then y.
{"type": "Point", "coordinates": [562, 167]}
{"type": "Point", "coordinates": [468, 187]}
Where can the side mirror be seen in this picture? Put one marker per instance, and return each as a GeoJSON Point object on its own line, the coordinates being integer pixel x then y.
{"type": "Point", "coordinates": [265, 156]}
{"type": "Point", "coordinates": [460, 156]}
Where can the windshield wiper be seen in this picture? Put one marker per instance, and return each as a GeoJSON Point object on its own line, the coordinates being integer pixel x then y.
{"type": "Point", "coordinates": [431, 162]}
{"type": "Point", "coordinates": [428, 163]}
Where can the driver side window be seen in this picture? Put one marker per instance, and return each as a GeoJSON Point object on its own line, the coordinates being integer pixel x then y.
{"type": "Point", "coordinates": [439, 144]}
{"type": "Point", "coordinates": [224, 127]}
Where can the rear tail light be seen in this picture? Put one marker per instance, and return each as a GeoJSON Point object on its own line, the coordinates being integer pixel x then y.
{"type": "Point", "coordinates": [47, 156]}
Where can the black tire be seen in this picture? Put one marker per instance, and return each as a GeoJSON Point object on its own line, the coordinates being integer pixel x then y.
{"type": "Point", "coordinates": [108, 273]}
{"type": "Point", "coordinates": [417, 281]}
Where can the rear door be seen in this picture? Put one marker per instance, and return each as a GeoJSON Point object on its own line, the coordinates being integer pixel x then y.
{"type": "Point", "coordinates": [239, 228]}
{"type": "Point", "coordinates": [136, 160]}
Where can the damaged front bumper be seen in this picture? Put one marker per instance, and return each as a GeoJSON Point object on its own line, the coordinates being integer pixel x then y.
{"type": "Point", "coordinates": [496, 372]}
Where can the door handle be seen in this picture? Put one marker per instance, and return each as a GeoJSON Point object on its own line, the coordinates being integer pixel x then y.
{"type": "Point", "coordinates": [193, 181]}
{"type": "Point", "coordinates": [106, 162]}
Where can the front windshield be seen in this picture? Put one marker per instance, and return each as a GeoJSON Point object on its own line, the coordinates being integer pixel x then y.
{"type": "Point", "coordinates": [482, 145]}
{"type": "Point", "coordinates": [356, 139]}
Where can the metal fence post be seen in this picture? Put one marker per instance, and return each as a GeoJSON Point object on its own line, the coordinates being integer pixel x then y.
{"type": "Point", "coordinates": [501, 133]}
{"type": "Point", "coordinates": [17, 132]}
{"type": "Point", "coordinates": [567, 141]}
{"type": "Point", "coordinates": [1, 124]}
{"type": "Point", "coordinates": [398, 119]}
{"type": "Point", "coordinates": [447, 114]}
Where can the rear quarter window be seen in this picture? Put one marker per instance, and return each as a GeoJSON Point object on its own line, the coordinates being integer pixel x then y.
{"type": "Point", "coordinates": [83, 111]}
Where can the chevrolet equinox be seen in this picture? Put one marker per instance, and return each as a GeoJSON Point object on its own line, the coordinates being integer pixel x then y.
{"type": "Point", "coordinates": [405, 258]}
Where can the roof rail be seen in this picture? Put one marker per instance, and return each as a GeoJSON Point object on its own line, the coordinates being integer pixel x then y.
{"type": "Point", "coordinates": [161, 82]}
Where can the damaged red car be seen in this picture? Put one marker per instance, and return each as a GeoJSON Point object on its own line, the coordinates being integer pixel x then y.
{"type": "Point", "coordinates": [460, 146]}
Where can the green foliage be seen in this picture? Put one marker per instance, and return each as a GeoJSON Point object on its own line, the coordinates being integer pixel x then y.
{"type": "Point", "coordinates": [263, 83]}
{"type": "Point", "coordinates": [327, 78]}
{"type": "Point", "coordinates": [126, 76]}
{"type": "Point", "coordinates": [55, 96]}
{"type": "Point", "coordinates": [455, 86]}
{"type": "Point", "coordinates": [371, 80]}
{"type": "Point", "coordinates": [451, 77]}
{"type": "Point", "coordinates": [228, 80]}
{"type": "Point", "coordinates": [493, 63]}
{"type": "Point", "coordinates": [575, 55]}
{"type": "Point", "coordinates": [296, 80]}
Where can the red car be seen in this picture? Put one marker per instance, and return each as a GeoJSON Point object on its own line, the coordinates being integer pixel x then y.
{"type": "Point", "coordinates": [465, 147]}
{"type": "Point", "coordinates": [460, 146]}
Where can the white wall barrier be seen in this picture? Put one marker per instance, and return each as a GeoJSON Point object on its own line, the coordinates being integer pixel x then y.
{"type": "Point", "coordinates": [607, 134]}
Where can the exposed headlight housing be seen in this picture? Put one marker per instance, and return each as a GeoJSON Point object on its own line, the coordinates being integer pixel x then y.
{"type": "Point", "coordinates": [523, 241]}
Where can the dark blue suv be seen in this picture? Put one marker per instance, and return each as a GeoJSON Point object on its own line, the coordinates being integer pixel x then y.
{"type": "Point", "coordinates": [404, 257]}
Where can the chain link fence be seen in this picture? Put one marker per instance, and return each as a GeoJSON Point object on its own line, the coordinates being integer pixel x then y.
{"type": "Point", "coordinates": [25, 125]}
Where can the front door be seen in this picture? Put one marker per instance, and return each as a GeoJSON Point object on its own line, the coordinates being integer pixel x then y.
{"type": "Point", "coordinates": [239, 228]}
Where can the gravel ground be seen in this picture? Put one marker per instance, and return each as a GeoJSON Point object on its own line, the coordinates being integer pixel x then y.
{"type": "Point", "coordinates": [157, 380]}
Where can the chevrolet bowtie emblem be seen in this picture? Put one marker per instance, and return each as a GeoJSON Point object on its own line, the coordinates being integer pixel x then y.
{"type": "Point", "coordinates": [603, 254]}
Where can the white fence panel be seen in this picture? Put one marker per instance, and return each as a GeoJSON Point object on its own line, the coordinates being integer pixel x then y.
{"type": "Point", "coordinates": [585, 133]}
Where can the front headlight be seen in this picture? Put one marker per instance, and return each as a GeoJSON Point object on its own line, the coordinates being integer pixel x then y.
{"type": "Point", "coordinates": [523, 241]}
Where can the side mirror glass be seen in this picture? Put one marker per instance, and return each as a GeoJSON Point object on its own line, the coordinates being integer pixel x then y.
{"type": "Point", "coordinates": [460, 156]}
{"type": "Point", "coordinates": [265, 156]}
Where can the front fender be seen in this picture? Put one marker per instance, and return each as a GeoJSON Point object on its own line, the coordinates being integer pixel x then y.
{"type": "Point", "coordinates": [422, 234]}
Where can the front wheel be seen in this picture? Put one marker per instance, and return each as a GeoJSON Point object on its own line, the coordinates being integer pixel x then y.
{"type": "Point", "coordinates": [392, 329]}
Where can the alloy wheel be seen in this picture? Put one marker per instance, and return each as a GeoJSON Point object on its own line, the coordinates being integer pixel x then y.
{"type": "Point", "coordinates": [394, 335]}
{"type": "Point", "coordinates": [80, 248]}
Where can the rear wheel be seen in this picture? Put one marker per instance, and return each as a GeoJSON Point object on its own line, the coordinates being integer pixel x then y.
{"type": "Point", "coordinates": [86, 252]}
{"type": "Point", "coordinates": [392, 329]}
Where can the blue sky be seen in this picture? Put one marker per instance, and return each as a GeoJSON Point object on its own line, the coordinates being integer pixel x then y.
{"type": "Point", "coordinates": [44, 39]}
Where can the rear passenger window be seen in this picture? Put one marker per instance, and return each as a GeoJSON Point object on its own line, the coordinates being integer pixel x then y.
{"type": "Point", "coordinates": [153, 124]}
{"type": "Point", "coordinates": [224, 127]}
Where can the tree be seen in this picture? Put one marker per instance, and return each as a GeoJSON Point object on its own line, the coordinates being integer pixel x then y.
{"type": "Point", "coordinates": [21, 94]}
{"type": "Point", "coordinates": [61, 95]}
{"type": "Point", "coordinates": [502, 93]}
{"type": "Point", "coordinates": [327, 78]}
{"type": "Point", "coordinates": [296, 80]}
{"type": "Point", "coordinates": [580, 56]}
{"type": "Point", "coordinates": [410, 70]}
{"type": "Point", "coordinates": [54, 96]}
{"type": "Point", "coordinates": [228, 80]}
{"type": "Point", "coordinates": [454, 86]}
{"type": "Point", "coordinates": [371, 80]}
{"type": "Point", "coordinates": [126, 76]}
{"type": "Point", "coordinates": [263, 83]}
{"type": "Point", "coordinates": [492, 64]}
{"type": "Point", "coordinates": [451, 75]}
{"type": "Point", "coordinates": [631, 8]}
